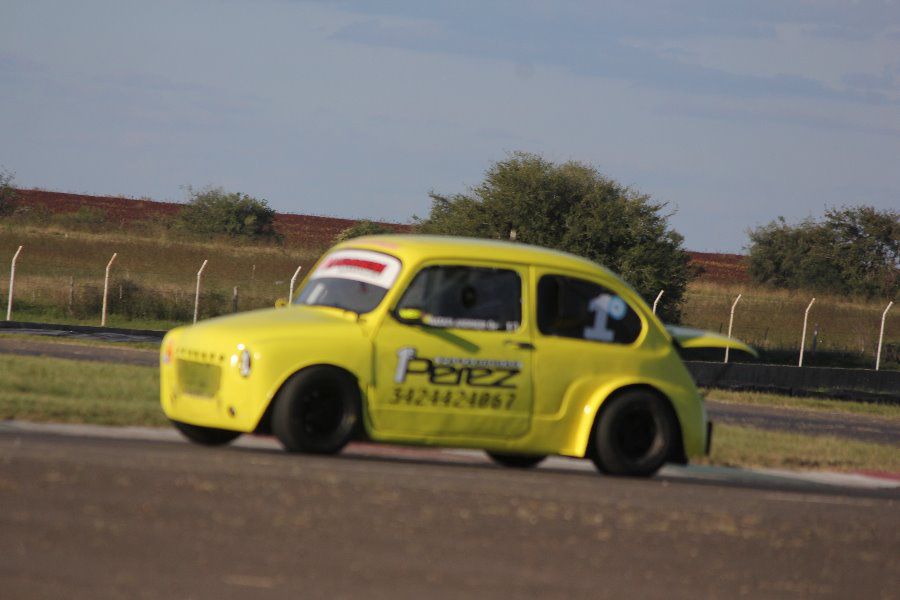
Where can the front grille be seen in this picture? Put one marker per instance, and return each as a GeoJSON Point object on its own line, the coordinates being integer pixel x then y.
{"type": "Point", "coordinates": [198, 379]}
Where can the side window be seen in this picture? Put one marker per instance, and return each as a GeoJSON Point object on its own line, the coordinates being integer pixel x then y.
{"type": "Point", "coordinates": [466, 297]}
{"type": "Point", "coordinates": [575, 308]}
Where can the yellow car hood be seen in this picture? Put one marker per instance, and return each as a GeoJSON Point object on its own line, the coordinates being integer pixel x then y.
{"type": "Point", "coordinates": [268, 324]}
{"type": "Point", "coordinates": [698, 338]}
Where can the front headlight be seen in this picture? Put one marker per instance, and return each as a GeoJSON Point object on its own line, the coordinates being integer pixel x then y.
{"type": "Point", "coordinates": [245, 362]}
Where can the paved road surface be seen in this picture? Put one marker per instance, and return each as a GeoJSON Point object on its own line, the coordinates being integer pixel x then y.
{"type": "Point", "coordinates": [11, 344]}
{"type": "Point", "coordinates": [88, 517]}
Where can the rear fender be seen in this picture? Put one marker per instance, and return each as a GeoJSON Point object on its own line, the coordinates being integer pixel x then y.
{"type": "Point", "coordinates": [582, 429]}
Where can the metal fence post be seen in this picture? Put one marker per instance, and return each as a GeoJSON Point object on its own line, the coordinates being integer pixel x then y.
{"type": "Point", "coordinates": [12, 283]}
{"type": "Point", "coordinates": [731, 322]}
{"type": "Point", "coordinates": [197, 295]}
{"type": "Point", "coordinates": [803, 339]}
{"type": "Point", "coordinates": [293, 280]}
{"type": "Point", "coordinates": [880, 335]}
{"type": "Point", "coordinates": [655, 302]}
{"type": "Point", "coordinates": [106, 288]}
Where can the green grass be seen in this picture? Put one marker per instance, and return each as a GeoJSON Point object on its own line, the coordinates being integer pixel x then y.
{"type": "Point", "coordinates": [886, 411]}
{"type": "Point", "coordinates": [751, 447]}
{"type": "Point", "coordinates": [68, 391]}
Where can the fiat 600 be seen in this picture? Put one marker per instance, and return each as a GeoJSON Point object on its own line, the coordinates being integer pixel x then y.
{"type": "Point", "coordinates": [520, 351]}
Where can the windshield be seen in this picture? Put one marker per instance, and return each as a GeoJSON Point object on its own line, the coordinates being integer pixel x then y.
{"type": "Point", "coordinates": [356, 280]}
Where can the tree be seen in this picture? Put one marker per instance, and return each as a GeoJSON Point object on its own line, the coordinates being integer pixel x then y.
{"type": "Point", "coordinates": [572, 207]}
{"type": "Point", "coordinates": [215, 211]}
{"type": "Point", "coordinates": [853, 250]}
{"type": "Point", "coordinates": [361, 228]}
{"type": "Point", "coordinates": [7, 193]}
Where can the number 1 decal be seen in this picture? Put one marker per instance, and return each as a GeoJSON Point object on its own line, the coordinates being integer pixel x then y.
{"type": "Point", "coordinates": [604, 307]}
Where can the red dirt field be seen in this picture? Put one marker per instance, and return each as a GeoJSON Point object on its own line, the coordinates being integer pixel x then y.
{"type": "Point", "coordinates": [720, 268]}
{"type": "Point", "coordinates": [304, 230]}
{"type": "Point", "coordinates": [298, 230]}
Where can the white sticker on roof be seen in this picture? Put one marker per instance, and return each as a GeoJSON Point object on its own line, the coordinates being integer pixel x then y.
{"type": "Point", "coordinates": [359, 265]}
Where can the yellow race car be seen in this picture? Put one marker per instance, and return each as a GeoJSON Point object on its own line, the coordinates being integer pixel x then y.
{"type": "Point", "coordinates": [520, 351]}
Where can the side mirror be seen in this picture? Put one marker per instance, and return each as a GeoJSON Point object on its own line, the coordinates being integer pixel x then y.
{"type": "Point", "coordinates": [281, 303]}
{"type": "Point", "coordinates": [410, 316]}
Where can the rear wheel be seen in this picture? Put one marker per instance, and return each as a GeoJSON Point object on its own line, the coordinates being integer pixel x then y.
{"type": "Point", "coordinates": [633, 435]}
{"type": "Point", "coordinates": [516, 461]}
{"type": "Point", "coordinates": [207, 436]}
{"type": "Point", "coordinates": [317, 411]}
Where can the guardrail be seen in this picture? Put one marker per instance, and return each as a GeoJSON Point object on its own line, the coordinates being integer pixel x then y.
{"type": "Point", "coordinates": [58, 329]}
{"type": "Point", "coordinates": [866, 385]}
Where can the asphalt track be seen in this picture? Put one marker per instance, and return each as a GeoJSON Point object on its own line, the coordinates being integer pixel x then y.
{"type": "Point", "coordinates": [87, 514]}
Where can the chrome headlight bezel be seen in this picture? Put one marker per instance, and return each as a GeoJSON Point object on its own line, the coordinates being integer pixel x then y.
{"type": "Point", "coordinates": [245, 363]}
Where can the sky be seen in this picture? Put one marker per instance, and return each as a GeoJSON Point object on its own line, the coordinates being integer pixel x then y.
{"type": "Point", "coordinates": [731, 113]}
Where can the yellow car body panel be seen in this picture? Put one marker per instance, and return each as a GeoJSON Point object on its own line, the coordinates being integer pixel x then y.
{"type": "Point", "coordinates": [509, 388]}
{"type": "Point", "coordinates": [697, 338]}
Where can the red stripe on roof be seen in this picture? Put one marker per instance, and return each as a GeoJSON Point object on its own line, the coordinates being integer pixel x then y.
{"type": "Point", "coordinates": [359, 263]}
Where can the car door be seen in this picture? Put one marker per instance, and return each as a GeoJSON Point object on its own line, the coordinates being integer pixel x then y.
{"type": "Point", "coordinates": [584, 328]}
{"type": "Point", "coordinates": [453, 357]}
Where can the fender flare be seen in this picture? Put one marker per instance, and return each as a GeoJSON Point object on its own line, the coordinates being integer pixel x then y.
{"type": "Point", "coordinates": [592, 409]}
{"type": "Point", "coordinates": [264, 424]}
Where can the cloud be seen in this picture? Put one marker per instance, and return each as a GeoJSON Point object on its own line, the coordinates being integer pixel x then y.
{"type": "Point", "coordinates": [779, 116]}
{"type": "Point", "coordinates": [591, 53]}
{"type": "Point", "coordinates": [886, 81]}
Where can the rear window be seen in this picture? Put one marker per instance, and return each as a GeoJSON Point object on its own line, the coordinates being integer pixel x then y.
{"type": "Point", "coordinates": [575, 308]}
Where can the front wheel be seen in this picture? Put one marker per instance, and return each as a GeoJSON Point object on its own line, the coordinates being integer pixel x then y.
{"type": "Point", "coordinates": [516, 461]}
{"type": "Point", "coordinates": [317, 411]}
{"type": "Point", "coordinates": [633, 435]}
{"type": "Point", "coordinates": [207, 436]}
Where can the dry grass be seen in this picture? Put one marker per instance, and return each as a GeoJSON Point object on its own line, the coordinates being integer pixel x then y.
{"type": "Point", "coordinates": [58, 266]}
{"type": "Point", "coordinates": [772, 319]}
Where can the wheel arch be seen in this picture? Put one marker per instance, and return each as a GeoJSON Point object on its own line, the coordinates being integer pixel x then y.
{"type": "Point", "coordinates": [264, 425]}
{"type": "Point", "coordinates": [601, 401]}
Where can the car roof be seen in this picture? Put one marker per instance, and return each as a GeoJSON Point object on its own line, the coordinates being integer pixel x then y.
{"type": "Point", "coordinates": [418, 247]}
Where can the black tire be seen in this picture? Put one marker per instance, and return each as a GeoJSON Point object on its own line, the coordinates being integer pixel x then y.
{"type": "Point", "coordinates": [516, 461]}
{"type": "Point", "coordinates": [633, 435]}
{"type": "Point", "coordinates": [317, 411]}
{"type": "Point", "coordinates": [207, 436]}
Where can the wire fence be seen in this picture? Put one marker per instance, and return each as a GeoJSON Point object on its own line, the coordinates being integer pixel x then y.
{"type": "Point", "coordinates": [838, 330]}
{"type": "Point", "coordinates": [162, 289]}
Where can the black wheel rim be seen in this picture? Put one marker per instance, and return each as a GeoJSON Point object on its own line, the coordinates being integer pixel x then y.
{"type": "Point", "coordinates": [321, 411]}
{"type": "Point", "coordinates": [636, 433]}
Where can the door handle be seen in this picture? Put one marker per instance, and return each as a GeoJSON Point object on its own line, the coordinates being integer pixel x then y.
{"type": "Point", "coordinates": [520, 345]}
